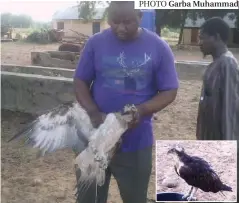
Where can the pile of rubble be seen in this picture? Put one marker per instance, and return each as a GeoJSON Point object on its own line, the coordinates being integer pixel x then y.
{"type": "Point", "coordinates": [80, 39]}
{"type": "Point", "coordinates": [74, 44]}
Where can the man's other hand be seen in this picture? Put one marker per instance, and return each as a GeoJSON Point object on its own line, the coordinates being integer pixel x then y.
{"type": "Point", "coordinates": [97, 118]}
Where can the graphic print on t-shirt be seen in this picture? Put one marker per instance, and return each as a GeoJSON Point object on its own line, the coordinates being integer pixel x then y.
{"type": "Point", "coordinates": [127, 74]}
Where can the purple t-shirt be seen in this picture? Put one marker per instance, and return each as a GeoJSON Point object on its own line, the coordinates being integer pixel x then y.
{"type": "Point", "coordinates": [127, 73]}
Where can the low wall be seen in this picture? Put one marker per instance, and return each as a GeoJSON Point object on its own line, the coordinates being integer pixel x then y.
{"type": "Point", "coordinates": [38, 70]}
{"type": "Point", "coordinates": [192, 70]}
{"type": "Point", "coordinates": [30, 93]}
{"type": "Point", "coordinates": [186, 70]}
{"type": "Point", "coordinates": [35, 89]}
{"type": "Point", "coordinates": [60, 59]}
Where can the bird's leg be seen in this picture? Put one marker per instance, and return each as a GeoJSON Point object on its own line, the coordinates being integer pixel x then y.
{"type": "Point", "coordinates": [191, 197]}
{"type": "Point", "coordinates": [188, 194]}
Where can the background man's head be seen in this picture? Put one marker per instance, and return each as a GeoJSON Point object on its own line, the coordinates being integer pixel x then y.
{"type": "Point", "coordinates": [123, 19]}
{"type": "Point", "coordinates": [213, 33]}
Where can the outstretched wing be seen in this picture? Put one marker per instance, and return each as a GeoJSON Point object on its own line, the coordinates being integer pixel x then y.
{"type": "Point", "coordinates": [66, 126]}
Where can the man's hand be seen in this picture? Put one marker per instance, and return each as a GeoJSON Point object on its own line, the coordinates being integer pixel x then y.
{"type": "Point", "coordinates": [83, 96]}
{"type": "Point", "coordinates": [152, 106]}
{"type": "Point", "coordinates": [137, 116]}
{"type": "Point", "coordinates": [97, 118]}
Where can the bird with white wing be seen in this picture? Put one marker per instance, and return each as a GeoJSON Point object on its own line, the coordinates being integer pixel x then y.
{"type": "Point", "coordinates": [123, 64]}
{"type": "Point", "coordinates": [69, 126]}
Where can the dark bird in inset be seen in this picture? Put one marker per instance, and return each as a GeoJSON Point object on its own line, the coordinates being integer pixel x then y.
{"type": "Point", "coordinates": [197, 173]}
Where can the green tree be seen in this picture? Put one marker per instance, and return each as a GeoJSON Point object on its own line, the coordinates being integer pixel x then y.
{"type": "Point", "coordinates": [6, 18]}
{"type": "Point", "coordinates": [171, 18]}
{"type": "Point", "coordinates": [16, 21]}
{"type": "Point", "coordinates": [87, 9]}
{"type": "Point", "coordinates": [176, 18]}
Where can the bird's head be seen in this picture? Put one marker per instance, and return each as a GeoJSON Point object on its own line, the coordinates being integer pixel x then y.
{"type": "Point", "coordinates": [127, 112]}
{"type": "Point", "coordinates": [177, 150]}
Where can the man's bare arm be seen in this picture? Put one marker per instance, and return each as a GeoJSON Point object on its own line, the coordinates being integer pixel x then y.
{"type": "Point", "coordinates": [83, 95]}
{"type": "Point", "coordinates": [157, 103]}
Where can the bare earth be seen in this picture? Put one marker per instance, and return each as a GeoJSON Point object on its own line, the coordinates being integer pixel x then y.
{"type": "Point", "coordinates": [20, 53]}
{"type": "Point", "coordinates": [20, 168]}
{"type": "Point", "coordinates": [220, 154]}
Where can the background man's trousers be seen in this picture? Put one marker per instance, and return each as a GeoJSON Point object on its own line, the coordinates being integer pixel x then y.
{"type": "Point", "coordinates": [132, 172]}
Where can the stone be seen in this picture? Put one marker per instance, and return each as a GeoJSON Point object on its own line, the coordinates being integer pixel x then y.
{"type": "Point", "coordinates": [170, 182]}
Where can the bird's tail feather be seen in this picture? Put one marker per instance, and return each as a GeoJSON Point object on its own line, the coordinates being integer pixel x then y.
{"type": "Point", "coordinates": [226, 188]}
{"type": "Point", "coordinates": [30, 126]}
{"type": "Point", "coordinates": [222, 194]}
{"type": "Point", "coordinates": [24, 131]}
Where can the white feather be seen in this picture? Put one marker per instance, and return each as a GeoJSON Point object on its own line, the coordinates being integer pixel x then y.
{"type": "Point", "coordinates": [67, 125]}
{"type": "Point", "coordinates": [101, 143]}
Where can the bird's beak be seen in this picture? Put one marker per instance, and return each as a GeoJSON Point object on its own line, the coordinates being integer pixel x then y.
{"type": "Point", "coordinates": [127, 117]}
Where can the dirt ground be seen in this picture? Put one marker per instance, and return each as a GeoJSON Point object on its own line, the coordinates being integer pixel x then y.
{"type": "Point", "coordinates": [218, 153]}
{"type": "Point", "coordinates": [20, 53]}
{"type": "Point", "coordinates": [21, 172]}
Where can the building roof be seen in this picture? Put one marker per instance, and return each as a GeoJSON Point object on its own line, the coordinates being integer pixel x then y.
{"type": "Point", "coordinates": [71, 13]}
{"type": "Point", "coordinates": [196, 24]}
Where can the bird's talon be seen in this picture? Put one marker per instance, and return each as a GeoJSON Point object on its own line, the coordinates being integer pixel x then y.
{"type": "Point", "coordinates": [191, 198]}
{"type": "Point", "coordinates": [185, 197]}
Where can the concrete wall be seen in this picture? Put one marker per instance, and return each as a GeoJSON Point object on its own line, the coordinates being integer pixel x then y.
{"type": "Point", "coordinates": [186, 70]}
{"type": "Point", "coordinates": [34, 94]}
{"type": "Point", "coordinates": [32, 89]}
{"type": "Point", "coordinates": [191, 70]}
{"type": "Point", "coordinates": [45, 59]}
{"type": "Point", "coordinates": [38, 70]}
{"type": "Point", "coordinates": [78, 26]}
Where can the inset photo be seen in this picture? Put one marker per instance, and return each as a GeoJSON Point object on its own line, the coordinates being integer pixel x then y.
{"type": "Point", "coordinates": [192, 170]}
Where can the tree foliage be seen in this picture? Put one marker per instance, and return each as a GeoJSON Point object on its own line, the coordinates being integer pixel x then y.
{"type": "Point", "coordinates": [88, 9]}
{"type": "Point", "coordinates": [176, 18]}
{"type": "Point", "coordinates": [17, 21]}
{"type": "Point", "coordinates": [173, 18]}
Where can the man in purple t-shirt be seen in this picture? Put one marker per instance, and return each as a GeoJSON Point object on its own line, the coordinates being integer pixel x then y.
{"type": "Point", "coordinates": [127, 65]}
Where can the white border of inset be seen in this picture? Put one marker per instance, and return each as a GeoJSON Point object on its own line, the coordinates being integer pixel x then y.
{"type": "Point", "coordinates": [192, 141]}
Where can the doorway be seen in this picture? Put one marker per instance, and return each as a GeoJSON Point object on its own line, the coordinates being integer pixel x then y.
{"type": "Point", "coordinates": [95, 27]}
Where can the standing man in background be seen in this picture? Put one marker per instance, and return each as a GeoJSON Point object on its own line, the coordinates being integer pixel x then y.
{"type": "Point", "coordinates": [218, 114]}
{"type": "Point", "coordinates": [127, 65]}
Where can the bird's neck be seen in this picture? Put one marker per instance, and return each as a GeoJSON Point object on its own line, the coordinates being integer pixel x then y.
{"type": "Point", "coordinates": [184, 157]}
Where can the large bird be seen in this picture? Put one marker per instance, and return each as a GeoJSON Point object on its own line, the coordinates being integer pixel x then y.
{"type": "Point", "coordinates": [197, 173]}
{"type": "Point", "coordinates": [69, 126]}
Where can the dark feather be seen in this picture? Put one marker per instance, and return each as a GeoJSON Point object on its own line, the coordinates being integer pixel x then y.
{"type": "Point", "coordinates": [24, 131]}
{"type": "Point", "coordinates": [175, 168]}
{"type": "Point", "coordinates": [198, 173]}
{"type": "Point", "coordinates": [57, 129]}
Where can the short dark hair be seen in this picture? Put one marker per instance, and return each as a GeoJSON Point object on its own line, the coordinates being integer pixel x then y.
{"type": "Point", "coordinates": [117, 3]}
{"type": "Point", "coordinates": [216, 25]}
{"type": "Point", "coordinates": [120, 2]}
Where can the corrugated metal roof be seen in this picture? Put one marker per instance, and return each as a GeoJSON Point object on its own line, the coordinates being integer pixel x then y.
{"type": "Point", "coordinates": [200, 21]}
{"type": "Point", "coordinates": [71, 13]}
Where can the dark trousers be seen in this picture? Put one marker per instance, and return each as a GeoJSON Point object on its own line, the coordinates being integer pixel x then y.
{"type": "Point", "coordinates": [131, 170]}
